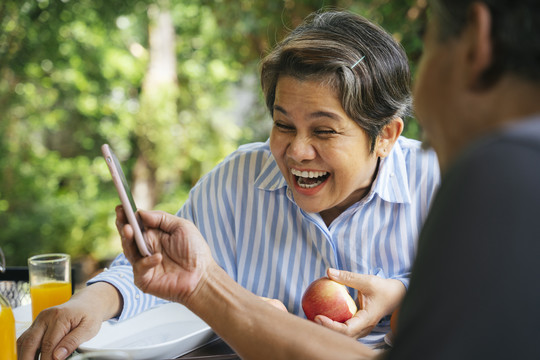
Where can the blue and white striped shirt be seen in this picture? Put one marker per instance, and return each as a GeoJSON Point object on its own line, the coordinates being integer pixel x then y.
{"type": "Point", "coordinates": [270, 246]}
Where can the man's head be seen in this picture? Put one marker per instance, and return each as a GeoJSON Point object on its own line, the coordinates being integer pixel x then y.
{"type": "Point", "coordinates": [514, 32]}
{"type": "Point", "coordinates": [479, 70]}
{"type": "Point", "coordinates": [368, 69]}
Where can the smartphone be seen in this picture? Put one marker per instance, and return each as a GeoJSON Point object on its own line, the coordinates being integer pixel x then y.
{"type": "Point", "coordinates": [126, 198]}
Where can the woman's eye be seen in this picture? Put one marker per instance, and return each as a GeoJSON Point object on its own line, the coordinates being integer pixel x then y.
{"type": "Point", "coordinates": [283, 127]}
{"type": "Point", "coordinates": [325, 132]}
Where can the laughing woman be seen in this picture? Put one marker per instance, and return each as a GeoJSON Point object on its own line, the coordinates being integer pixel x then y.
{"type": "Point", "coordinates": [335, 186]}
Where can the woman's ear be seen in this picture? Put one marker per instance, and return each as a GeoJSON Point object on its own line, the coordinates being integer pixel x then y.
{"type": "Point", "coordinates": [388, 137]}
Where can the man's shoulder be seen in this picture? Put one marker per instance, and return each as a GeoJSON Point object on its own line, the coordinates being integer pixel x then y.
{"type": "Point", "coordinates": [511, 144]}
{"type": "Point", "coordinates": [525, 132]}
{"type": "Point", "coordinates": [506, 160]}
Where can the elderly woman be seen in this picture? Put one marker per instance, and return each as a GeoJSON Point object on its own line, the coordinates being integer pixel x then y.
{"type": "Point", "coordinates": [336, 186]}
{"type": "Point", "coordinates": [472, 294]}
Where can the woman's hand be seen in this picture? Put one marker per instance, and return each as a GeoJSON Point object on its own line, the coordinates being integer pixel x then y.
{"type": "Point", "coordinates": [180, 260]}
{"type": "Point", "coordinates": [275, 303]}
{"type": "Point", "coordinates": [58, 331]}
{"type": "Point", "coordinates": [378, 297]}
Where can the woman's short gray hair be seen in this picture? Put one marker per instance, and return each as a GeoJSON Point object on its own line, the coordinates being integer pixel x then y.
{"type": "Point", "coordinates": [367, 68]}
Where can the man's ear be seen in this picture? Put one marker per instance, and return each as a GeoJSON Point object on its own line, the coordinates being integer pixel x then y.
{"type": "Point", "coordinates": [479, 43]}
{"type": "Point", "coordinates": [388, 137]}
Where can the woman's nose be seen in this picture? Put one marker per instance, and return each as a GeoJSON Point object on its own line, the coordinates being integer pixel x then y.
{"type": "Point", "coordinates": [301, 149]}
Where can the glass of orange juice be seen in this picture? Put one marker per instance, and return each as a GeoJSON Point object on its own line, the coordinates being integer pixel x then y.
{"type": "Point", "coordinates": [50, 281]}
{"type": "Point", "coordinates": [8, 349]}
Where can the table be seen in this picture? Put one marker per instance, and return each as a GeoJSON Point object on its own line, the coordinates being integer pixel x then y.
{"type": "Point", "coordinates": [216, 350]}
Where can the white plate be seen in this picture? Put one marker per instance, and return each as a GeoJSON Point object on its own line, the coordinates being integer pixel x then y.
{"type": "Point", "coordinates": [167, 331]}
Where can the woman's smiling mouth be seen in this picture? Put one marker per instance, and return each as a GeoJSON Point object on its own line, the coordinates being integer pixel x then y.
{"type": "Point", "coordinates": [309, 179]}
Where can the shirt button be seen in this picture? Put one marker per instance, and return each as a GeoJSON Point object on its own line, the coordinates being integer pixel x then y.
{"type": "Point", "coordinates": [137, 296]}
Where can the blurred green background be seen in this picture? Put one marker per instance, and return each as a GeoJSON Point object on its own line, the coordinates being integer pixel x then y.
{"type": "Point", "coordinates": [171, 85]}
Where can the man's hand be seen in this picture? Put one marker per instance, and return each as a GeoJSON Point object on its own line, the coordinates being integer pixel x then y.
{"type": "Point", "coordinates": [378, 297]}
{"type": "Point", "coordinates": [180, 260]}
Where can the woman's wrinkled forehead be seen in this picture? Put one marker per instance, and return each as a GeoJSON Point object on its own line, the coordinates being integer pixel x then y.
{"type": "Point", "coordinates": [327, 80]}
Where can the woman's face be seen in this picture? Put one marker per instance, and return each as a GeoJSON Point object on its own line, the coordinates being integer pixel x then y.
{"type": "Point", "coordinates": [322, 153]}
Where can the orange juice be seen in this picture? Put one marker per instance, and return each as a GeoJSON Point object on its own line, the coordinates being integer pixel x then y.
{"type": "Point", "coordinates": [8, 349]}
{"type": "Point", "coordinates": [47, 295]}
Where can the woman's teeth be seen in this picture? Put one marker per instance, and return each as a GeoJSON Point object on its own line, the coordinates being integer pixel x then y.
{"type": "Point", "coordinates": [309, 179]}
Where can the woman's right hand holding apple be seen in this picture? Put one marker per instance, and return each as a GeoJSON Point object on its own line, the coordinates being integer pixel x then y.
{"type": "Point", "coordinates": [378, 297]}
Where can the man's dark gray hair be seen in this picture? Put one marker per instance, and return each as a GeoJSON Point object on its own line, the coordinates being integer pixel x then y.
{"type": "Point", "coordinates": [515, 32]}
{"type": "Point", "coordinates": [326, 47]}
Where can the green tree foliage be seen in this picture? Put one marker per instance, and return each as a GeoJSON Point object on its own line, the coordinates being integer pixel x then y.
{"type": "Point", "coordinates": [73, 75]}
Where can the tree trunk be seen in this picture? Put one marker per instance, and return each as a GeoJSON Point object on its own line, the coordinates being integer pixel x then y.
{"type": "Point", "coordinates": [158, 110]}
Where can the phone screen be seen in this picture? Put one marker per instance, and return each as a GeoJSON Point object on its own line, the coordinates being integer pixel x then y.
{"type": "Point", "coordinates": [124, 192]}
{"type": "Point", "coordinates": [124, 180]}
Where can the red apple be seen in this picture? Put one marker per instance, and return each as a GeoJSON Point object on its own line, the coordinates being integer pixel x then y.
{"type": "Point", "coordinates": [329, 298]}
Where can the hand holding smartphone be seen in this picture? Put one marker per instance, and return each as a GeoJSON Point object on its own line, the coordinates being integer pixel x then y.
{"type": "Point", "coordinates": [126, 198]}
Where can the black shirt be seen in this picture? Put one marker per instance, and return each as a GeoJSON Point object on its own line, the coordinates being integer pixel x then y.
{"type": "Point", "coordinates": [475, 285]}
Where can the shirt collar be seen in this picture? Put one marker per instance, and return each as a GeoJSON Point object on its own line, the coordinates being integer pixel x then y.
{"type": "Point", "coordinates": [270, 177]}
{"type": "Point", "coordinates": [391, 183]}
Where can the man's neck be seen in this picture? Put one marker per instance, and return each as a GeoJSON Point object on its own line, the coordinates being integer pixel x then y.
{"type": "Point", "coordinates": [510, 101]}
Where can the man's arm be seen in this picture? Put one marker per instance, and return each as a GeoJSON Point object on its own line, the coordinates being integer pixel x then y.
{"type": "Point", "coordinates": [257, 330]}
{"type": "Point", "coordinates": [183, 270]}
